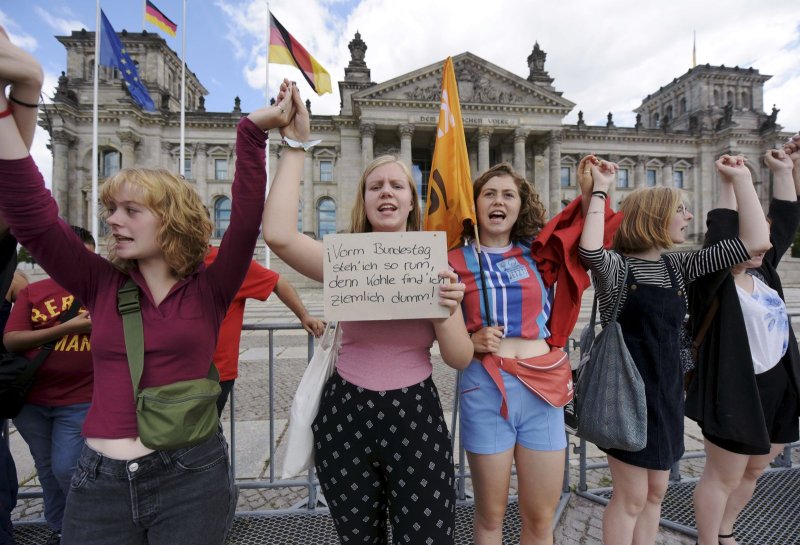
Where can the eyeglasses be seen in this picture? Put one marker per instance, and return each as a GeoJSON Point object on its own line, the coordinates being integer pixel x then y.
{"type": "Point", "coordinates": [683, 210]}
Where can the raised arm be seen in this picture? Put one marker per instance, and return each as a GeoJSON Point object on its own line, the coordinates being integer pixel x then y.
{"type": "Point", "coordinates": [792, 148]}
{"type": "Point", "coordinates": [24, 74]}
{"type": "Point", "coordinates": [289, 296]}
{"type": "Point", "coordinates": [780, 164]}
{"type": "Point", "coordinates": [753, 228]}
{"type": "Point", "coordinates": [279, 221]}
{"type": "Point", "coordinates": [229, 269]}
{"type": "Point", "coordinates": [784, 210]}
{"type": "Point", "coordinates": [601, 174]}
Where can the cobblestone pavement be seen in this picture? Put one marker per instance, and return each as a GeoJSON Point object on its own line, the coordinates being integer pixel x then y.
{"type": "Point", "coordinates": [582, 519]}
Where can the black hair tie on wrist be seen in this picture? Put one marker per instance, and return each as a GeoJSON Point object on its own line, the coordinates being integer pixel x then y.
{"type": "Point", "coordinates": [602, 194]}
{"type": "Point", "coordinates": [21, 103]}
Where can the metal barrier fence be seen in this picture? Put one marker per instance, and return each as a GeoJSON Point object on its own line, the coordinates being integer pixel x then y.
{"type": "Point", "coordinates": [311, 484]}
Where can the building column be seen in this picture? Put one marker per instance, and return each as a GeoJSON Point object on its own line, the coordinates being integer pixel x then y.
{"type": "Point", "coordinates": [666, 172]}
{"type": "Point", "coordinates": [472, 153]}
{"type": "Point", "coordinates": [129, 141]}
{"type": "Point", "coordinates": [166, 155]}
{"type": "Point", "coordinates": [555, 173]}
{"type": "Point", "coordinates": [539, 175]}
{"type": "Point", "coordinates": [308, 194]}
{"type": "Point", "coordinates": [367, 144]}
{"type": "Point", "coordinates": [484, 135]}
{"type": "Point", "coordinates": [200, 170]}
{"type": "Point", "coordinates": [639, 174]}
{"type": "Point", "coordinates": [406, 132]}
{"type": "Point", "coordinates": [61, 142]}
{"type": "Point", "coordinates": [520, 136]}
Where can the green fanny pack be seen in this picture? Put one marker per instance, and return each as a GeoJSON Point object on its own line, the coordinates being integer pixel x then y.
{"type": "Point", "coordinates": [173, 415]}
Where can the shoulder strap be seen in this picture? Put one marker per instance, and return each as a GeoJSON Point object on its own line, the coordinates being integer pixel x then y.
{"type": "Point", "coordinates": [47, 348]}
{"type": "Point", "coordinates": [8, 263]}
{"type": "Point", "coordinates": [71, 312]}
{"type": "Point", "coordinates": [615, 311]}
{"type": "Point", "coordinates": [673, 274]}
{"type": "Point", "coordinates": [131, 311]}
{"type": "Point", "coordinates": [706, 325]}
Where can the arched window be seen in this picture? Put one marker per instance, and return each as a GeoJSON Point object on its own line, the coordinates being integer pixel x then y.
{"type": "Point", "coordinates": [729, 100]}
{"type": "Point", "coordinates": [326, 217]}
{"type": "Point", "coordinates": [110, 163]}
{"type": "Point", "coordinates": [222, 216]}
{"type": "Point", "coordinates": [746, 101]}
{"type": "Point", "coordinates": [716, 97]}
{"type": "Point", "coordinates": [655, 120]}
{"type": "Point", "coordinates": [682, 106]}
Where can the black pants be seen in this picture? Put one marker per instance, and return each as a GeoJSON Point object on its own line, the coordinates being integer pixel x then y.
{"type": "Point", "coordinates": [386, 451]}
{"type": "Point", "coordinates": [8, 490]}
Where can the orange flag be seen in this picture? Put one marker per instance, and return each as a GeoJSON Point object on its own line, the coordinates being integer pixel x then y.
{"type": "Point", "coordinates": [449, 200]}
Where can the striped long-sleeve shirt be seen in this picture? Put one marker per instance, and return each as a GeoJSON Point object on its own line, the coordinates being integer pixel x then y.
{"type": "Point", "coordinates": [608, 269]}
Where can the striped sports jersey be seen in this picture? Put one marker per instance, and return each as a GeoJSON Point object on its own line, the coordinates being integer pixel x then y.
{"type": "Point", "coordinates": [518, 297]}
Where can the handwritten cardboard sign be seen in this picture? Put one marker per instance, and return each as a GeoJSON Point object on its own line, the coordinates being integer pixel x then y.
{"type": "Point", "coordinates": [384, 276]}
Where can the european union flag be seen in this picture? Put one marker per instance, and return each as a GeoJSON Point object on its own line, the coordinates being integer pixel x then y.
{"type": "Point", "coordinates": [112, 53]}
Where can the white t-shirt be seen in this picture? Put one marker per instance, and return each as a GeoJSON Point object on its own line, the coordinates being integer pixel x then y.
{"type": "Point", "coordinates": [767, 325]}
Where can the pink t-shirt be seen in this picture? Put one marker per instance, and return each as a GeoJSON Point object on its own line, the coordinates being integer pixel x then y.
{"type": "Point", "coordinates": [385, 354]}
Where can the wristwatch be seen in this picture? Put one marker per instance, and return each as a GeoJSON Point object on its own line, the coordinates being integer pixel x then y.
{"type": "Point", "coordinates": [288, 142]}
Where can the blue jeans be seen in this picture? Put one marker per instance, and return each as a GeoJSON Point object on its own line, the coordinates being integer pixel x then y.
{"type": "Point", "coordinates": [8, 489]}
{"type": "Point", "coordinates": [169, 497]}
{"type": "Point", "coordinates": [54, 438]}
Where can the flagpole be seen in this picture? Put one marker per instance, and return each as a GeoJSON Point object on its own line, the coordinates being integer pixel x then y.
{"type": "Point", "coordinates": [485, 294]}
{"type": "Point", "coordinates": [183, 93]}
{"type": "Point", "coordinates": [144, 14]}
{"type": "Point", "coordinates": [95, 157]}
{"type": "Point", "coordinates": [267, 254]}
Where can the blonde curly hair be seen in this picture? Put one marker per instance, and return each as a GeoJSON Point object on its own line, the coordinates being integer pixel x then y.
{"type": "Point", "coordinates": [185, 227]}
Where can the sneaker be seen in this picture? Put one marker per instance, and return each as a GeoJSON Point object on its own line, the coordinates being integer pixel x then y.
{"type": "Point", "coordinates": [55, 539]}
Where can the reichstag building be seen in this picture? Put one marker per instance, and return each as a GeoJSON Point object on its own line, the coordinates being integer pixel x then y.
{"type": "Point", "coordinates": [680, 129]}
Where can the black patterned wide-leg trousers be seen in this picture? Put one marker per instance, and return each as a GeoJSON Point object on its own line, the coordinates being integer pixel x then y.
{"type": "Point", "coordinates": [379, 451]}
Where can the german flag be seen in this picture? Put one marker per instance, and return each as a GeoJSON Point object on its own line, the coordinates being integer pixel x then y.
{"type": "Point", "coordinates": [284, 49]}
{"type": "Point", "coordinates": [154, 15]}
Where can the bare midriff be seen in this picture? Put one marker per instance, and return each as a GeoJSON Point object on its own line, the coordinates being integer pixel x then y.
{"type": "Point", "coordinates": [516, 347]}
{"type": "Point", "coordinates": [119, 449]}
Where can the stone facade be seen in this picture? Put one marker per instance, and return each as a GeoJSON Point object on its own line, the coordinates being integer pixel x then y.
{"type": "Point", "coordinates": [680, 130]}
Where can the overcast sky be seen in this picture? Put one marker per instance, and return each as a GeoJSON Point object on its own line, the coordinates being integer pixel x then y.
{"type": "Point", "coordinates": [604, 56]}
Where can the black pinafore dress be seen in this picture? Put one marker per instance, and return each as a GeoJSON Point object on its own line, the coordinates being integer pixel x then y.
{"type": "Point", "coordinates": [650, 321]}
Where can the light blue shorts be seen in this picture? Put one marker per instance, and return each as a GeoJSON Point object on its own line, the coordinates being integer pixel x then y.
{"type": "Point", "coordinates": [532, 422]}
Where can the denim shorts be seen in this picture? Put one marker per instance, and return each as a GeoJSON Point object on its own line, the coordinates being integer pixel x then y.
{"type": "Point", "coordinates": [532, 422]}
{"type": "Point", "coordinates": [168, 497]}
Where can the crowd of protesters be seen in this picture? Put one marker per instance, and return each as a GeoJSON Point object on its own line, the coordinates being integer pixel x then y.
{"type": "Point", "coordinates": [504, 330]}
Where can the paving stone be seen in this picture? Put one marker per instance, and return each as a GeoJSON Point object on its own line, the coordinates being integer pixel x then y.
{"type": "Point", "coordinates": [581, 522]}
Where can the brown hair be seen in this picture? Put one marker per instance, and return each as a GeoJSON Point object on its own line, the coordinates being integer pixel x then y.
{"type": "Point", "coordinates": [531, 217]}
{"type": "Point", "coordinates": [185, 228]}
{"type": "Point", "coordinates": [358, 217]}
{"type": "Point", "coordinates": [646, 215]}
